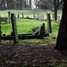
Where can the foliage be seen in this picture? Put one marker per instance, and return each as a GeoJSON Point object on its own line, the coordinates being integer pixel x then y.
{"type": "Point", "coordinates": [43, 4]}
{"type": "Point", "coordinates": [12, 4]}
{"type": "Point", "coordinates": [49, 4]}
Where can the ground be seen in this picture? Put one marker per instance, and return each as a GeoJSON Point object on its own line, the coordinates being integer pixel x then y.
{"type": "Point", "coordinates": [34, 52]}
{"type": "Point", "coordinates": [33, 55]}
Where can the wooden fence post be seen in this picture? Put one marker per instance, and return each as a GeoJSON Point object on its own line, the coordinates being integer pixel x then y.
{"type": "Point", "coordinates": [49, 23]}
{"type": "Point", "coordinates": [42, 30]}
{"type": "Point", "coordinates": [14, 27]}
{"type": "Point", "coordinates": [0, 30]}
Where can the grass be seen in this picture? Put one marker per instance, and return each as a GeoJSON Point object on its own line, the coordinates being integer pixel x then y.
{"type": "Point", "coordinates": [27, 25]}
{"type": "Point", "coordinates": [26, 12]}
{"type": "Point", "coordinates": [24, 26]}
{"type": "Point", "coordinates": [29, 13]}
{"type": "Point", "coordinates": [55, 28]}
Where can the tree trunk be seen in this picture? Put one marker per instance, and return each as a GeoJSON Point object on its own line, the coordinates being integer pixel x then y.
{"type": "Point", "coordinates": [30, 4]}
{"type": "Point", "coordinates": [55, 10]}
{"type": "Point", "coordinates": [20, 4]}
{"type": "Point", "coordinates": [36, 4]}
{"type": "Point", "coordinates": [55, 14]}
{"type": "Point", "coordinates": [0, 31]}
{"type": "Point", "coordinates": [62, 35]}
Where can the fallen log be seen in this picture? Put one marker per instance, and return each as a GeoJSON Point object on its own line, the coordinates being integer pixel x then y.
{"type": "Point", "coordinates": [23, 36]}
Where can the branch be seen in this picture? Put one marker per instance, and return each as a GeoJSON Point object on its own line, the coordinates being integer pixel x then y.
{"type": "Point", "coordinates": [2, 2]}
{"type": "Point", "coordinates": [60, 3]}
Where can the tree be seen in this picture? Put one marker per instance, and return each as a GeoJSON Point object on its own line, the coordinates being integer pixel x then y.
{"type": "Point", "coordinates": [62, 35]}
{"type": "Point", "coordinates": [12, 4]}
{"type": "Point", "coordinates": [56, 4]}
{"type": "Point", "coordinates": [20, 4]}
{"type": "Point", "coordinates": [1, 2]}
{"type": "Point", "coordinates": [50, 4]}
{"type": "Point", "coordinates": [6, 4]}
{"type": "Point", "coordinates": [36, 1]}
{"type": "Point", "coordinates": [30, 4]}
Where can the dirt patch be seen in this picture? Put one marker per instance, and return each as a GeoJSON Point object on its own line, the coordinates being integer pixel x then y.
{"type": "Point", "coordinates": [14, 55]}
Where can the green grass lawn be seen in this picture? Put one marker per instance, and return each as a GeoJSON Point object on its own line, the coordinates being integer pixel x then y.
{"type": "Point", "coordinates": [24, 26]}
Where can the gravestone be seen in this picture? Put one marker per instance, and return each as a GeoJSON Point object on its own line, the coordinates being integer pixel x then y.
{"type": "Point", "coordinates": [22, 15]}
{"type": "Point", "coordinates": [9, 16]}
{"type": "Point", "coordinates": [45, 17]}
{"type": "Point", "coordinates": [34, 16]}
{"type": "Point", "coordinates": [42, 30]}
{"type": "Point", "coordinates": [14, 28]}
{"type": "Point", "coordinates": [39, 31]}
{"type": "Point", "coordinates": [33, 29]}
{"type": "Point", "coordinates": [58, 18]}
{"type": "Point", "coordinates": [49, 23]}
{"type": "Point", "coordinates": [38, 16]}
{"type": "Point", "coordinates": [18, 15]}
{"type": "Point", "coordinates": [41, 17]}
{"type": "Point", "coordinates": [36, 31]}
